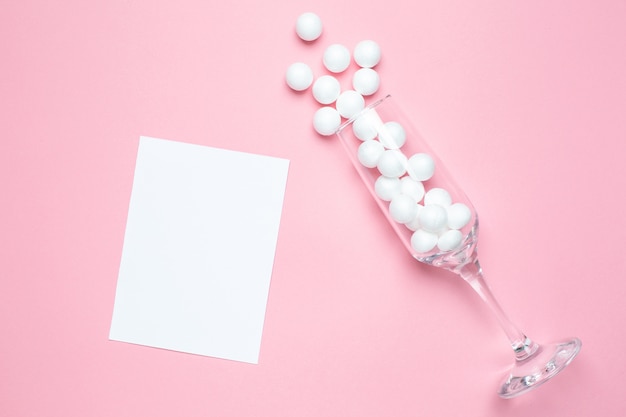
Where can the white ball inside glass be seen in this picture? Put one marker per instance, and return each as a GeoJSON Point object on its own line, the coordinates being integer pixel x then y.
{"type": "Point", "coordinates": [433, 218]}
{"type": "Point", "coordinates": [423, 241]}
{"type": "Point", "coordinates": [421, 167]}
{"type": "Point", "coordinates": [413, 188]}
{"type": "Point", "coordinates": [414, 224]}
{"type": "Point", "coordinates": [438, 196]}
{"type": "Point", "coordinates": [403, 208]}
{"type": "Point", "coordinates": [369, 153]}
{"type": "Point", "coordinates": [392, 163]}
{"type": "Point", "coordinates": [387, 188]}
{"type": "Point", "coordinates": [392, 135]}
{"type": "Point", "coordinates": [459, 215]}
{"type": "Point", "coordinates": [450, 240]}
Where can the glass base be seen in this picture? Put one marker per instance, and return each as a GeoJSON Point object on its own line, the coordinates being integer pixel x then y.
{"type": "Point", "coordinates": [538, 368]}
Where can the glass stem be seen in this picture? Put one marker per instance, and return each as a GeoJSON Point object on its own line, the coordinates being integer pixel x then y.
{"type": "Point", "coordinates": [522, 345]}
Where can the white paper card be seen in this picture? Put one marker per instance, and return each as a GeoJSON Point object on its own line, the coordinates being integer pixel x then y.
{"type": "Point", "coordinates": [199, 249]}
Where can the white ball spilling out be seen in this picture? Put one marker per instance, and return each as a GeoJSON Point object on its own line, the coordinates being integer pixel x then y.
{"type": "Point", "coordinates": [326, 89]}
{"type": "Point", "coordinates": [336, 58]}
{"type": "Point", "coordinates": [367, 54]}
{"type": "Point", "coordinates": [309, 26]}
{"type": "Point", "coordinates": [350, 103]}
{"type": "Point", "coordinates": [366, 81]}
{"type": "Point", "coordinates": [299, 76]}
{"type": "Point", "coordinates": [326, 121]}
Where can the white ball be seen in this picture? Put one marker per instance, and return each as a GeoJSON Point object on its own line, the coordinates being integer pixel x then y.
{"type": "Point", "coordinates": [437, 196]}
{"type": "Point", "coordinates": [392, 135]}
{"type": "Point", "coordinates": [336, 58]}
{"type": "Point", "coordinates": [458, 215]}
{"type": "Point", "coordinates": [326, 121]}
{"type": "Point", "coordinates": [392, 163]}
{"type": "Point", "coordinates": [350, 103]}
{"type": "Point", "coordinates": [326, 89]}
{"type": "Point", "coordinates": [450, 240]}
{"type": "Point", "coordinates": [415, 223]}
{"type": "Point", "coordinates": [413, 188]}
{"type": "Point", "coordinates": [366, 81]}
{"type": "Point", "coordinates": [369, 153]}
{"type": "Point", "coordinates": [423, 241]}
{"type": "Point", "coordinates": [403, 208]}
{"type": "Point", "coordinates": [366, 126]}
{"type": "Point", "coordinates": [433, 218]}
{"type": "Point", "coordinates": [309, 26]}
{"type": "Point", "coordinates": [387, 188]}
{"type": "Point", "coordinates": [367, 54]}
{"type": "Point", "coordinates": [421, 167]}
{"type": "Point", "coordinates": [299, 76]}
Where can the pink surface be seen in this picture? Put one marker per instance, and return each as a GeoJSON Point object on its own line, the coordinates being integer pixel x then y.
{"type": "Point", "coordinates": [525, 103]}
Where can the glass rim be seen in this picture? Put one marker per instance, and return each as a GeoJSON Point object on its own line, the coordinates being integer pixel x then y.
{"type": "Point", "coordinates": [365, 109]}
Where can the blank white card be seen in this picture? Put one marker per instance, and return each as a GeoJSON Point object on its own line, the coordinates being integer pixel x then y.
{"type": "Point", "coordinates": [199, 249]}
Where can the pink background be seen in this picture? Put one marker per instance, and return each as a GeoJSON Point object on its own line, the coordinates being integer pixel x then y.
{"type": "Point", "coordinates": [526, 104]}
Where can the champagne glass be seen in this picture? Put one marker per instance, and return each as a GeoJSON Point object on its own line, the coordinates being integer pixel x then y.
{"type": "Point", "coordinates": [438, 225]}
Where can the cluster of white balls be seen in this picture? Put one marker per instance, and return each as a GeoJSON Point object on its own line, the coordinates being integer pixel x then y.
{"type": "Point", "coordinates": [430, 214]}
{"type": "Point", "coordinates": [336, 104]}
{"type": "Point", "coordinates": [432, 217]}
